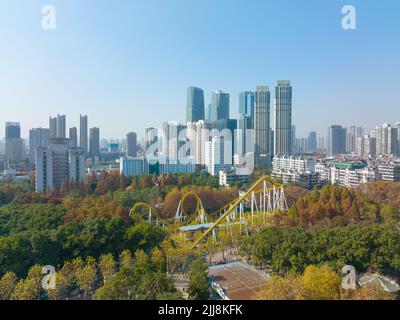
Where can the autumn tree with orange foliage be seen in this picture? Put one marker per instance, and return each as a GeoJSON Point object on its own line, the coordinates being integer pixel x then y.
{"type": "Point", "coordinates": [93, 207]}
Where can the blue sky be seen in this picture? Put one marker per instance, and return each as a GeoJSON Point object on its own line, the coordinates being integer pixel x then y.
{"type": "Point", "coordinates": [127, 64]}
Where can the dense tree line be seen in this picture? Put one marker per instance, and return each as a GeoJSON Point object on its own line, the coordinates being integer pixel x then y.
{"type": "Point", "coordinates": [339, 206]}
{"type": "Point", "coordinates": [367, 248]}
{"type": "Point", "coordinates": [138, 277]}
{"type": "Point", "coordinates": [38, 234]}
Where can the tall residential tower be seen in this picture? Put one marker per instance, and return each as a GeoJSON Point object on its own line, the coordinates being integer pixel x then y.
{"type": "Point", "coordinates": [195, 104]}
{"type": "Point", "coordinates": [262, 100]}
{"type": "Point", "coordinates": [283, 118]}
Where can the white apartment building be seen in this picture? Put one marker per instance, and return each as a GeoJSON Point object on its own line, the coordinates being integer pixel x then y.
{"type": "Point", "coordinates": [57, 163]}
{"type": "Point", "coordinates": [346, 174]}
{"type": "Point", "coordinates": [218, 155]}
{"type": "Point", "coordinates": [293, 163]}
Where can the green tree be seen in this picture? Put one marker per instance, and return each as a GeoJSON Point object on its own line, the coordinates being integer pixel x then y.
{"type": "Point", "coordinates": [107, 266]}
{"type": "Point", "coordinates": [198, 287]}
{"type": "Point", "coordinates": [29, 288]}
{"type": "Point", "coordinates": [7, 284]}
{"type": "Point", "coordinates": [86, 276]}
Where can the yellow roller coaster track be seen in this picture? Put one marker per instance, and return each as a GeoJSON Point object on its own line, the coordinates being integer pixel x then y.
{"type": "Point", "coordinates": [187, 195]}
{"type": "Point", "coordinates": [237, 202]}
{"type": "Point", "coordinates": [149, 207]}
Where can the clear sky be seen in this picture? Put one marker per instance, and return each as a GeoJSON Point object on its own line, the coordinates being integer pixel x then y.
{"type": "Point", "coordinates": [127, 64]}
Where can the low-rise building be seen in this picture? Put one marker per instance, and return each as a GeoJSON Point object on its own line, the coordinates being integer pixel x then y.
{"type": "Point", "coordinates": [132, 166]}
{"type": "Point", "coordinates": [346, 174]}
{"type": "Point", "coordinates": [389, 171]}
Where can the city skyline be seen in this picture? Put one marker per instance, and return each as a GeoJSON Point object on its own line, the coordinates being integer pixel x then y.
{"type": "Point", "coordinates": [133, 66]}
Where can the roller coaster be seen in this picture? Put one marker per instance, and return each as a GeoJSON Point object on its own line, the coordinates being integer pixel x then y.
{"type": "Point", "coordinates": [262, 198]}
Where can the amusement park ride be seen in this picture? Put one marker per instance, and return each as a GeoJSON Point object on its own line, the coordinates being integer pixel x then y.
{"type": "Point", "coordinates": [264, 197]}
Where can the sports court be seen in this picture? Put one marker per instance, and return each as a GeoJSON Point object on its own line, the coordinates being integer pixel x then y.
{"type": "Point", "coordinates": [239, 280]}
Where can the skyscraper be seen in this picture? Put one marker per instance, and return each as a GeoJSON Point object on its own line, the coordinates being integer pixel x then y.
{"type": "Point", "coordinates": [94, 143]}
{"type": "Point", "coordinates": [228, 124]}
{"type": "Point", "coordinates": [262, 99]}
{"type": "Point", "coordinates": [219, 105]}
{"type": "Point", "coordinates": [312, 141]}
{"type": "Point", "coordinates": [38, 137]}
{"type": "Point", "coordinates": [73, 137]}
{"type": "Point", "coordinates": [283, 118]}
{"type": "Point", "coordinates": [336, 140]}
{"type": "Point", "coordinates": [61, 126]}
{"type": "Point", "coordinates": [195, 104]}
{"type": "Point", "coordinates": [245, 124]}
{"type": "Point", "coordinates": [246, 104]}
{"type": "Point", "coordinates": [293, 138]}
{"type": "Point", "coordinates": [83, 134]}
{"type": "Point", "coordinates": [53, 128]}
{"type": "Point", "coordinates": [131, 139]}
{"type": "Point", "coordinates": [208, 112]}
{"type": "Point", "coordinates": [57, 127]}
{"type": "Point", "coordinates": [14, 143]}
{"type": "Point", "coordinates": [13, 130]}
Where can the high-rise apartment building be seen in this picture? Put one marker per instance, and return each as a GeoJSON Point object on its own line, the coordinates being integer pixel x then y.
{"type": "Point", "coordinates": [387, 142]}
{"type": "Point", "coordinates": [366, 146]}
{"type": "Point", "coordinates": [352, 134]}
{"type": "Point", "coordinates": [83, 134]}
{"type": "Point", "coordinates": [52, 128]}
{"type": "Point", "coordinates": [293, 138]}
{"type": "Point", "coordinates": [131, 142]}
{"type": "Point", "coordinates": [195, 104]}
{"type": "Point", "coordinates": [14, 143]}
{"type": "Point", "coordinates": [61, 126]}
{"type": "Point", "coordinates": [219, 105]}
{"type": "Point", "coordinates": [336, 140]}
{"type": "Point", "coordinates": [76, 164]}
{"type": "Point", "coordinates": [246, 135]}
{"type": "Point", "coordinates": [38, 137]}
{"type": "Point", "coordinates": [73, 137]}
{"type": "Point", "coordinates": [218, 155]}
{"type": "Point", "coordinates": [312, 141]}
{"type": "Point", "coordinates": [321, 143]}
{"type": "Point", "coordinates": [95, 143]}
{"type": "Point", "coordinates": [283, 118]}
{"type": "Point", "coordinates": [57, 163]}
{"type": "Point", "coordinates": [262, 100]}
{"type": "Point", "coordinates": [151, 137]}
{"type": "Point", "coordinates": [172, 139]}
{"type": "Point", "coordinates": [57, 127]}
{"type": "Point", "coordinates": [197, 135]}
